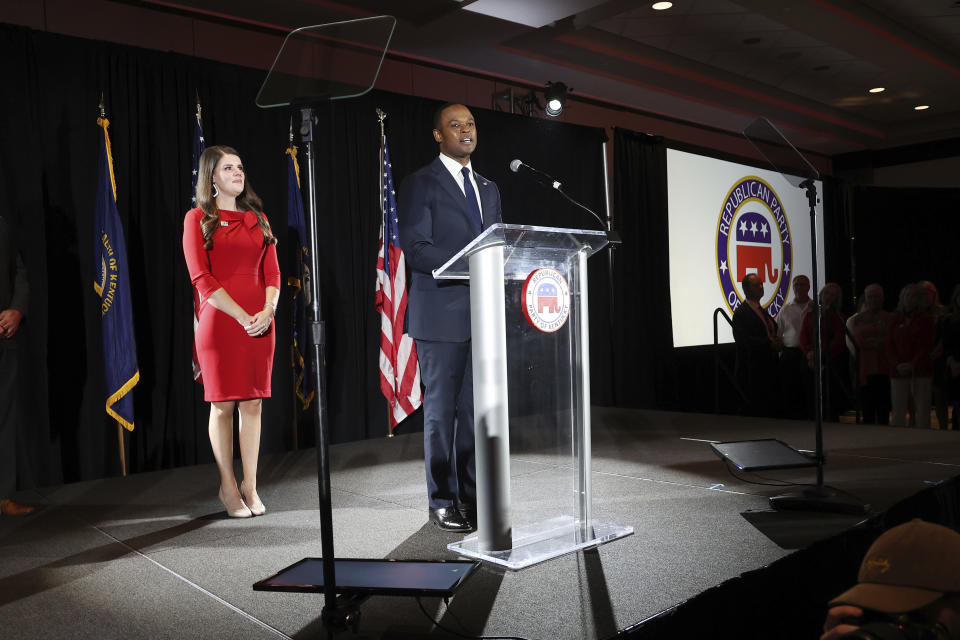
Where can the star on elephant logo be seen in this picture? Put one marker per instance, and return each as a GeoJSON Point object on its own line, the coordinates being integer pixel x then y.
{"type": "Point", "coordinates": [546, 299]}
{"type": "Point", "coordinates": [753, 236]}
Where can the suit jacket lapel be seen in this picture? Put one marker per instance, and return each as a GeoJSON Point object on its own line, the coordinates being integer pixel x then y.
{"type": "Point", "coordinates": [487, 201]}
{"type": "Point", "coordinates": [449, 184]}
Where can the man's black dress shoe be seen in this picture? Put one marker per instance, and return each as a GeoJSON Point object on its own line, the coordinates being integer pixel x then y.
{"type": "Point", "coordinates": [469, 513]}
{"type": "Point", "coordinates": [449, 519]}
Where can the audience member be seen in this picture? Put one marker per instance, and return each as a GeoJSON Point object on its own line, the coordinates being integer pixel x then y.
{"type": "Point", "coordinates": [951, 356]}
{"type": "Point", "coordinates": [908, 587]}
{"type": "Point", "coordinates": [869, 330]}
{"type": "Point", "coordinates": [757, 345]}
{"type": "Point", "coordinates": [910, 339]}
{"type": "Point", "coordinates": [832, 347]}
{"type": "Point", "coordinates": [930, 302]}
{"type": "Point", "coordinates": [796, 381]}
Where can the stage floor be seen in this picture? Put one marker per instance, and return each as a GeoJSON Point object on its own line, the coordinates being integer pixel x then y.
{"type": "Point", "coordinates": [154, 556]}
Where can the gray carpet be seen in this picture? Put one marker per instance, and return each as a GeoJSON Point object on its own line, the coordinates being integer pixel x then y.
{"type": "Point", "coordinates": [153, 555]}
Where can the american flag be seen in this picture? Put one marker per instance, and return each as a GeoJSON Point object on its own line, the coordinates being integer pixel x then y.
{"type": "Point", "coordinates": [198, 146]}
{"type": "Point", "coordinates": [399, 369]}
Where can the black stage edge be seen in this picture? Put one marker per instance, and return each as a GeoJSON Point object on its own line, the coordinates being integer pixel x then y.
{"type": "Point", "coordinates": [803, 582]}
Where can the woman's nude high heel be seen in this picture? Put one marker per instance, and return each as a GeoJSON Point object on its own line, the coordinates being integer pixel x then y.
{"type": "Point", "coordinates": [242, 512]}
{"type": "Point", "coordinates": [256, 508]}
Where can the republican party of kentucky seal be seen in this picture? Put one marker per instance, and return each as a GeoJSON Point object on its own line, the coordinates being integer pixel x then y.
{"type": "Point", "coordinates": [753, 236]}
{"type": "Point", "coordinates": [546, 299]}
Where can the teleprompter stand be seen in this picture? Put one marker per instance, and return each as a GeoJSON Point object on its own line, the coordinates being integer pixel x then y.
{"type": "Point", "coordinates": [790, 163]}
{"type": "Point", "coordinates": [316, 65]}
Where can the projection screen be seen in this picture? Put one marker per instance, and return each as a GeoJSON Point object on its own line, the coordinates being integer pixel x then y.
{"type": "Point", "coordinates": [727, 220]}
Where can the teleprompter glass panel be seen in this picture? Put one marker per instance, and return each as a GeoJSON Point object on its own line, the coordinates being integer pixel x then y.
{"type": "Point", "coordinates": [327, 62]}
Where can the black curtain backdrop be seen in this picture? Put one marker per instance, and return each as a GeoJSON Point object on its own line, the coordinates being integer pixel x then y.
{"type": "Point", "coordinates": [645, 362]}
{"type": "Point", "coordinates": [48, 170]}
{"type": "Point", "coordinates": [837, 232]}
{"type": "Point", "coordinates": [906, 235]}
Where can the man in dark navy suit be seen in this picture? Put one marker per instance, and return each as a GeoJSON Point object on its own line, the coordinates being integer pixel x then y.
{"type": "Point", "coordinates": [14, 296]}
{"type": "Point", "coordinates": [443, 206]}
{"type": "Point", "coordinates": [757, 348]}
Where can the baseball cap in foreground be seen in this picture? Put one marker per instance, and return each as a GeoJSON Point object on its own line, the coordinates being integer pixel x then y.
{"type": "Point", "coordinates": [907, 568]}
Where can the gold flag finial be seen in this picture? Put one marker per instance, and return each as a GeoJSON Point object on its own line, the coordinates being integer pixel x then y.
{"type": "Point", "coordinates": [381, 116]}
{"type": "Point", "coordinates": [103, 112]}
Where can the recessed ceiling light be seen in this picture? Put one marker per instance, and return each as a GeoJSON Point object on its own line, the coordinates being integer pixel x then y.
{"type": "Point", "coordinates": [878, 90]}
{"type": "Point", "coordinates": [921, 107]}
{"type": "Point", "coordinates": [660, 6]}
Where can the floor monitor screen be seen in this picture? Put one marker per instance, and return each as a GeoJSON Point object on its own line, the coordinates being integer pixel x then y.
{"type": "Point", "coordinates": [440, 578]}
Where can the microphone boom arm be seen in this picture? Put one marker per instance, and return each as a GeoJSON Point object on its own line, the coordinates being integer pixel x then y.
{"type": "Point", "coordinates": [552, 183]}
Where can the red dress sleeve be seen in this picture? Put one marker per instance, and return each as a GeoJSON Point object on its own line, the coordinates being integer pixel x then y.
{"type": "Point", "coordinates": [271, 266]}
{"type": "Point", "coordinates": [198, 262]}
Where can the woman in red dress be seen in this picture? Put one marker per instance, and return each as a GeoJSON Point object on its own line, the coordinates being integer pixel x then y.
{"type": "Point", "coordinates": [232, 259]}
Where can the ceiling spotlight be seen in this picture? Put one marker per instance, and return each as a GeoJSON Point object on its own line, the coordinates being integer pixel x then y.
{"type": "Point", "coordinates": [555, 96]}
{"type": "Point", "coordinates": [921, 107]}
{"type": "Point", "coordinates": [878, 90]}
{"type": "Point", "coordinates": [660, 6]}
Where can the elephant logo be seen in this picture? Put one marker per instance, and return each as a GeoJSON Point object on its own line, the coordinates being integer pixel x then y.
{"type": "Point", "coordinates": [753, 248]}
{"type": "Point", "coordinates": [546, 299]}
{"type": "Point", "coordinates": [753, 236]}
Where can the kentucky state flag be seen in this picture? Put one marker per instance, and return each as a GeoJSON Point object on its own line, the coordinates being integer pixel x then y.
{"type": "Point", "coordinates": [112, 285]}
{"type": "Point", "coordinates": [300, 281]}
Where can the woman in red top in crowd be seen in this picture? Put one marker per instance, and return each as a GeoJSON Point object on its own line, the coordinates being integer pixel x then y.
{"type": "Point", "coordinates": [910, 345]}
{"type": "Point", "coordinates": [232, 259]}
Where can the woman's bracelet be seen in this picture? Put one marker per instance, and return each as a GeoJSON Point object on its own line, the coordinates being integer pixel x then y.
{"type": "Point", "coordinates": [271, 306]}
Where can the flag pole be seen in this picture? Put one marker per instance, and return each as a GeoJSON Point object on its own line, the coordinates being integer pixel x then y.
{"type": "Point", "coordinates": [295, 414]}
{"type": "Point", "coordinates": [381, 116]}
{"type": "Point", "coordinates": [123, 455]}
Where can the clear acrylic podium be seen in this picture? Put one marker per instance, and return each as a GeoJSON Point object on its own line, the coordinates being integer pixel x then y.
{"type": "Point", "coordinates": [531, 389]}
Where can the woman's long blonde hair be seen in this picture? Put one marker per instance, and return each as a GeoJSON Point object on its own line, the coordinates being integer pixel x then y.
{"type": "Point", "coordinates": [246, 201]}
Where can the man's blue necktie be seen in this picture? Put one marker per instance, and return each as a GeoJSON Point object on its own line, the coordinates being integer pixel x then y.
{"type": "Point", "coordinates": [472, 199]}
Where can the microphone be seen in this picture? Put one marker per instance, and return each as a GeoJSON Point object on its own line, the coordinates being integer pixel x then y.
{"type": "Point", "coordinates": [517, 166]}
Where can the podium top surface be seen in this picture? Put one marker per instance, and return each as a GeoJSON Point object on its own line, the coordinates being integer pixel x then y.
{"type": "Point", "coordinates": [525, 248]}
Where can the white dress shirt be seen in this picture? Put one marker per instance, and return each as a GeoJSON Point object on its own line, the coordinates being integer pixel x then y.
{"type": "Point", "coordinates": [790, 322]}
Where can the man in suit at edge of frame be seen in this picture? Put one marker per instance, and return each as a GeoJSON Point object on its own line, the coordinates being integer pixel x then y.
{"type": "Point", "coordinates": [14, 297]}
{"type": "Point", "coordinates": [442, 207]}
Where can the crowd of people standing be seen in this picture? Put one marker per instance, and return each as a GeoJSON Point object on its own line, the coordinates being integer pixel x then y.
{"type": "Point", "coordinates": [894, 367]}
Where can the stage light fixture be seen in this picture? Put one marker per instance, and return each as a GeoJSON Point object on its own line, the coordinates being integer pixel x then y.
{"type": "Point", "coordinates": [878, 90]}
{"type": "Point", "coordinates": [555, 96]}
{"type": "Point", "coordinates": [921, 107]}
